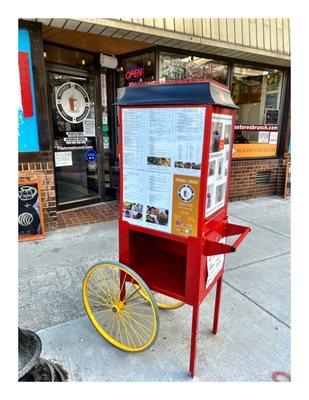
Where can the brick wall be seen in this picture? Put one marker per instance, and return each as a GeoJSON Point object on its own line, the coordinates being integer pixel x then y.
{"type": "Point", "coordinates": [44, 173]}
{"type": "Point", "coordinates": [243, 178]}
{"type": "Point", "coordinates": [243, 182]}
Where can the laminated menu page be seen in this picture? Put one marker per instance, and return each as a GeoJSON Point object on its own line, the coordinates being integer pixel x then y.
{"type": "Point", "coordinates": [162, 156]}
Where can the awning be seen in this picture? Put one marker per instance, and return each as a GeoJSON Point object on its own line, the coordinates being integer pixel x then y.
{"type": "Point", "coordinates": [180, 93]}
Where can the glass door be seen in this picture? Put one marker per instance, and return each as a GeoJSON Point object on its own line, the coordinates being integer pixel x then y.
{"type": "Point", "coordinates": [75, 145]}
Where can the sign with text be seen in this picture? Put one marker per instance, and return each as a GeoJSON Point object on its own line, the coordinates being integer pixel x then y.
{"type": "Point", "coordinates": [252, 150]}
{"type": "Point", "coordinates": [214, 265]}
{"type": "Point", "coordinates": [134, 73]}
{"type": "Point", "coordinates": [63, 158]}
{"type": "Point", "coordinates": [186, 191]}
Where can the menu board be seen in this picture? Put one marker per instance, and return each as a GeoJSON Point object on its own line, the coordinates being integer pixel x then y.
{"type": "Point", "coordinates": [162, 157]}
{"type": "Point", "coordinates": [220, 142]}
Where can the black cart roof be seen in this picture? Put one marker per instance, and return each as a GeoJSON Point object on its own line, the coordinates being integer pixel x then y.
{"type": "Point", "coordinates": [206, 92]}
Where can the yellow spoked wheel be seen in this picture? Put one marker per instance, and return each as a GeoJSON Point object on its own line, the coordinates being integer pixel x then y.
{"type": "Point", "coordinates": [111, 294]}
{"type": "Point", "coordinates": [167, 302]}
{"type": "Point", "coordinates": [164, 302]}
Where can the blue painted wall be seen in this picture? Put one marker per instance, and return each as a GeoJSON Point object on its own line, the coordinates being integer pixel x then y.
{"type": "Point", "coordinates": [28, 140]}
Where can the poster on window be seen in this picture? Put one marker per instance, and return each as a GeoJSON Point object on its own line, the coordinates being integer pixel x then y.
{"type": "Point", "coordinates": [89, 123]}
{"type": "Point", "coordinates": [162, 155]}
{"type": "Point", "coordinates": [220, 142]}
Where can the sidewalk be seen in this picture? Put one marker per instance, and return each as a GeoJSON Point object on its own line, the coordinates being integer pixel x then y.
{"type": "Point", "coordinates": [254, 334]}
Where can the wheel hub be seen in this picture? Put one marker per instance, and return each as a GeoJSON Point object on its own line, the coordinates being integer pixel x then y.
{"type": "Point", "coordinates": [118, 306]}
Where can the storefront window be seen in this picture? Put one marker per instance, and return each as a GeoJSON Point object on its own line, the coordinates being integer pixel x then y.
{"type": "Point", "coordinates": [69, 57]}
{"type": "Point", "coordinates": [175, 66]}
{"type": "Point", "coordinates": [139, 68]}
{"type": "Point", "coordinates": [257, 93]}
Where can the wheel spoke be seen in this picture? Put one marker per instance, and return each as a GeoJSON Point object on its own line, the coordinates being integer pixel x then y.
{"type": "Point", "coordinates": [138, 301]}
{"type": "Point", "coordinates": [114, 283]}
{"type": "Point", "coordinates": [122, 285]}
{"type": "Point", "coordinates": [113, 324]}
{"type": "Point", "coordinates": [107, 286]}
{"type": "Point", "coordinates": [110, 321]}
{"type": "Point", "coordinates": [119, 330]}
{"type": "Point", "coordinates": [139, 324]}
{"type": "Point", "coordinates": [128, 333]}
{"type": "Point", "coordinates": [91, 290]}
{"type": "Point", "coordinates": [125, 330]}
{"type": "Point", "coordinates": [137, 335]}
{"type": "Point", "coordinates": [149, 319]}
{"type": "Point", "coordinates": [132, 292]}
{"type": "Point", "coordinates": [106, 290]}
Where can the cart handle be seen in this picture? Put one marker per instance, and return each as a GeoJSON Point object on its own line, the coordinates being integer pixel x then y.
{"type": "Point", "coordinates": [211, 248]}
{"type": "Point", "coordinates": [232, 229]}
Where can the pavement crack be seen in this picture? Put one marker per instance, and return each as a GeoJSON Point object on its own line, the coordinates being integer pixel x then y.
{"type": "Point", "coordinates": [258, 261]}
{"type": "Point", "coordinates": [257, 305]}
{"type": "Point", "coordinates": [261, 226]}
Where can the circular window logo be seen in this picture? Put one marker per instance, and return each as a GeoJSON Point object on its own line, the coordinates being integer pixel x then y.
{"type": "Point", "coordinates": [72, 102]}
{"type": "Point", "coordinates": [185, 193]}
{"type": "Point", "coordinates": [92, 166]}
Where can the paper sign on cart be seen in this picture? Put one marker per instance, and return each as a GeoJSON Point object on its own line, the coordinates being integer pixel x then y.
{"type": "Point", "coordinates": [214, 265]}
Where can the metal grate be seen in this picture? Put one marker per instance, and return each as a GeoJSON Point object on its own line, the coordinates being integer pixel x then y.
{"type": "Point", "coordinates": [263, 178]}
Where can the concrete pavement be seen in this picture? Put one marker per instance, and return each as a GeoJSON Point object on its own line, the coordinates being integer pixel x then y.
{"type": "Point", "coordinates": [254, 336]}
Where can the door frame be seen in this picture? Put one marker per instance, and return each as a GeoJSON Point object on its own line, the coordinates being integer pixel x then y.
{"type": "Point", "coordinates": [51, 67]}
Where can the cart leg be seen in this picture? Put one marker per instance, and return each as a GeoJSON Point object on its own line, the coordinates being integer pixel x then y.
{"type": "Point", "coordinates": [195, 318]}
{"type": "Point", "coordinates": [217, 307]}
{"type": "Point", "coordinates": [122, 286]}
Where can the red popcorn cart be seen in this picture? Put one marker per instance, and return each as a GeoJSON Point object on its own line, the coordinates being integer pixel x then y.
{"type": "Point", "coordinates": [175, 162]}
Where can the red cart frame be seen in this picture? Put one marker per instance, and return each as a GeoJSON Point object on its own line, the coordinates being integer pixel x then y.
{"type": "Point", "coordinates": [174, 265]}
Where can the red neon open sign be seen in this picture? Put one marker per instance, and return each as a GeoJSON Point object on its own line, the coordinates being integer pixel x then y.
{"type": "Point", "coordinates": [134, 74]}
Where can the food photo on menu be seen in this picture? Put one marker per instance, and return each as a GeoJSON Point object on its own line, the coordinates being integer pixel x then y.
{"type": "Point", "coordinates": [132, 210]}
{"type": "Point", "coordinates": [188, 165]}
{"type": "Point", "coordinates": [159, 161]}
{"type": "Point", "coordinates": [156, 215]}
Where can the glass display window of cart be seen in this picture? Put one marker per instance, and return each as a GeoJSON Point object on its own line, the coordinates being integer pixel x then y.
{"type": "Point", "coordinates": [176, 66]}
{"type": "Point", "coordinates": [257, 93]}
{"type": "Point", "coordinates": [219, 162]}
